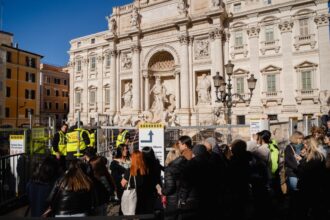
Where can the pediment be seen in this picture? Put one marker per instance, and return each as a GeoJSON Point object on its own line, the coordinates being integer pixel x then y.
{"type": "Point", "coordinates": [92, 87]}
{"type": "Point", "coordinates": [241, 71]}
{"type": "Point", "coordinates": [78, 89]}
{"type": "Point", "coordinates": [106, 85]}
{"type": "Point", "coordinates": [270, 68]}
{"type": "Point", "coordinates": [306, 64]}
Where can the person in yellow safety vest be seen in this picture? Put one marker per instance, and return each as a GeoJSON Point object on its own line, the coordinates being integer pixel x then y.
{"type": "Point", "coordinates": [77, 138]}
{"type": "Point", "coordinates": [92, 138]}
{"type": "Point", "coordinates": [59, 145]}
{"type": "Point", "coordinates": [122, 137]}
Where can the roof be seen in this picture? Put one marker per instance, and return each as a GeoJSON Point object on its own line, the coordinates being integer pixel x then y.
{"type": "Point", "coordinates": [4, 32]}
{"type": "Point", "coordinates": [18, 49]}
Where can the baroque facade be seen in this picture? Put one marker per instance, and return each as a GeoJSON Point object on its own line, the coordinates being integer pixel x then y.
{"type": "Point", "coordinates": [157, 59]}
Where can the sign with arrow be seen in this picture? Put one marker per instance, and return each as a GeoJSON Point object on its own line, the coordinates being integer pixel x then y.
{"type": "Point", "coordinates": [152, 135]}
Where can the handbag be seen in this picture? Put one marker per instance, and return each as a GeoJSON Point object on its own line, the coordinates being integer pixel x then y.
{"type": "Point", "coordinates": [129, 199]}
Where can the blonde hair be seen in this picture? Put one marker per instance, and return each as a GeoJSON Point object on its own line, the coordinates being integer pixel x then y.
{"type": "Point", "coordinates": [294, 137]}
{"type": "Point", "coordinates": [173, 154]}
{"type": "Point", "coordinates": [312, 152]}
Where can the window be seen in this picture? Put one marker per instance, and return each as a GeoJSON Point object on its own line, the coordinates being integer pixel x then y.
{"type": "Point", "coordinates": [92, 97]}
{"type": "Point", "coordinates": [240, 85]}
{"type": "Point", "coordinates": [48, 92]}
{"type": "Point", "coordinates": [272, 117]}
{"type": "Point", "coordinates": [241, 119]}
{"type": "Point", "coordinates": [8, 74]}
{"type": "Point", "coordinates": [56, 106]}
{"type": "Point", "coordinates": [237, 7]}
{"type": "Point", "coordinates": [7, 91]}
{"type": "Point", "coordinates": [269, 33]}
{"type": "Point", "coordinates": [306, 77]}
{"type": "Point", "coordinates": [65, 106]}
{"type": "Point", "coordinates": [8, 56]}
{"type": "Point", "coordinates": [93, 41]}
{"type": "Point", "coordinates": [108, 60]}
{"type": "Point", "coordinates": [57, 93]}
{"type": "Point", "coordinates": [57, 81]}
{"type": "Point", "coordinates": [29, 61]}
{"type": "Point", "coordinates": [78, 44]}
{"type": "Point", "coordinates": [30, 94]}
{"type": "Point", "coordinates": [30, 77]}
{"type": "Point", "coordinates": [303, 27]}
{"type": "Point", "coordinates": [49, 105]}
{"type": "Point", "coordinates": [78, 98]}
{"type": "Point", "coordinates": [268, 2]}
{"type": "Point", "coordinates": [0, 85]}
{"type": "Point", "coordinates": [107, 96]}
{"type": "Point", "coordinates": [64, 81]}
{"type": "Point", "coordinates": [63, 94]}
{"type": "Point", "coordinates": [238, 38]}
{"type": "Point", "coordinates": [78, 65]}
{"type": "Point", "coordinates": [93, 63]}
{"type": "Point", "coordinates": [27, 111]}
{"type": "Point", "coordinates": [45, 105]}
{"type": "Point", "coordinates": [271, 83]}
{"type": "Point", "coordinates": [7, 112]}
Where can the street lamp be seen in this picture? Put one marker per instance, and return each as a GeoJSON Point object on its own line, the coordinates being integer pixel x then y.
{"type": "Point", "coordinates": [226, 97]}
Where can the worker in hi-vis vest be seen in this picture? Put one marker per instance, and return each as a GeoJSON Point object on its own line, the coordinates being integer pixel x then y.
{"type": "Point", "coordinates": [59, 145]}
{"type": "Point", "coordinates": [77, 140]}
{"type": "Point", "coordinates": [122, 137]}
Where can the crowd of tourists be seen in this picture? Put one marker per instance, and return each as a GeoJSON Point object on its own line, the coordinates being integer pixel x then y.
{"type": "Point", "coordinates": [244, 180]}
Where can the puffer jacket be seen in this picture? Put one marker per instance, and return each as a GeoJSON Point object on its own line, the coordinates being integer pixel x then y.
{"type": "Point", "coordinates": [172, 181]}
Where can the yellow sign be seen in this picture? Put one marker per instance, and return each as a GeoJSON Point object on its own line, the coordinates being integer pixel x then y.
{"type": "Point", "coordinates": [151, 125]}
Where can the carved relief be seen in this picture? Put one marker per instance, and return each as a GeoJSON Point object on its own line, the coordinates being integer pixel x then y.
{"type": "Point", "coordinates": [286, 26]}
{"type": "Point", "coordinates": [126, 61]}
{"type": "Point", "coordinates": [184, 39]}
{"type": "Point", "coordinates": [216, 3]}
{"type": "Point", "coordinates": [135, 48]}
{"type": "Point", "coordinates": [217, 33]}
{"type": "Point", "coordinates": [253, 31]}
{"type": "Point", "coordinates": [202, 49]}
{"type": "Point", "coordinates": [322, 20]}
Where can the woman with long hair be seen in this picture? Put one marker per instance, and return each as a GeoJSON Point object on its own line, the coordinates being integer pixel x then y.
{"type": "Point", "coordinates": [311, 183]}
{"type": "Point", "coordinates": [73, 194]}
{"type": "Point", "coordinates": [41, 185]}
{"type": "Point", "coordinates": [138, 173]}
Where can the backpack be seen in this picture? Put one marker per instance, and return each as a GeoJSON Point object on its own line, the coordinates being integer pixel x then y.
{"type": "Point", "coordinates": [274, 157]}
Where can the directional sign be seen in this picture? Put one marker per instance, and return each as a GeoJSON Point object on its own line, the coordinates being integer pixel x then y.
{"type": "Point", "coordinates": [17, 144]}
{"type": "Point", "coordinates": [152, 135]}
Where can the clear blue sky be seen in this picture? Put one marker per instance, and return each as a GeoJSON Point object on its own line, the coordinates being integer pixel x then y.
{"type": "Point", "coordinates": [46, 26]}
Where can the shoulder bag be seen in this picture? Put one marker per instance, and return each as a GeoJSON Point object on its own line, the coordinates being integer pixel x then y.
{"type": "Point", "coordinates": [129, 199]}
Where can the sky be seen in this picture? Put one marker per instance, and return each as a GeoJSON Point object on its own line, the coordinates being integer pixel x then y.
{"type": "Point", "coordinates": [46, 27]}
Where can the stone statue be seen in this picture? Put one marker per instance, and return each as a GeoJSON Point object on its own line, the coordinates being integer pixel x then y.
{"type": "Point", "coordinates": [202, 48]}
{"type": "Point", "coordinates": [182, 7]}
{"type": "Point", "coordinates": [203, 89]}
{"type": "Point", "coordinates": [135, 17]}
{"type": "Point", "coordinates": [324, 97]}
{"type": "Point", "coordinates": [126, 61]}
{"type": "Point", "coordinates": [216, 3]}
{"type": "Point", "coordinates": [127, 95]}
{"type": "Point", "coordinates": [159, 93]}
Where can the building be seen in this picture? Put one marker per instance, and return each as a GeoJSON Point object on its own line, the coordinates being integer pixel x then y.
{"type": "Point", "coordinates": [157, 59]}
{"type": "Point", "coordinates": [20, 75]}
{"type": "Point", "coordinates": [54, 93]}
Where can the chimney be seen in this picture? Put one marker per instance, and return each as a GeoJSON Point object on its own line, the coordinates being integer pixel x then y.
{"type": "Point", "coordinates": [16, 45]}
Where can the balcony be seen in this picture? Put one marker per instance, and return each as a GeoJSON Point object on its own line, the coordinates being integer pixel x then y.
{"type": "Point", "coordinates": [303, 40]}
{"type": "Point", "coordinates": [272, 96]}
{"type": "Point", "coordinates": [270, 45]}
{"type": "Point", "coordinates": [239, 49]}
{"type": "Point", "coordinates": [307, 94]}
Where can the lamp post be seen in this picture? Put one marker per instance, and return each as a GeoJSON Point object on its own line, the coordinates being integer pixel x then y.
{"type": "Point", "coordinates": [226, 97]}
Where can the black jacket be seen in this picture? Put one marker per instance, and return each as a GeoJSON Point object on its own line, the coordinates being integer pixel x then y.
{"type": "Point", "coordinates": [290, 162]}
{"type": "Point", "coordinates": [172, 181]}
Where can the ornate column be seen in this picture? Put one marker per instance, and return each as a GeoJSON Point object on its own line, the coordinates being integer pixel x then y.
{"type": "Point", "coordinates": [113, 82]}
{"type": "Point", "coordinates": [184, 41]}
{"type": "Point", "coordinates": [253, 33]}
{"type": "Point", "coordinates": [146, 91]}
{"type": "Point", "coordinates": [136, 77]}
{"type": "Point", "coordinates": [287, 84]}
{"type": "Point", "coordinates": [177, 89]}
{"type": "Point", "coordinates": [322, 22]}
{"type": "Point", "coordinates": [216, 55]}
